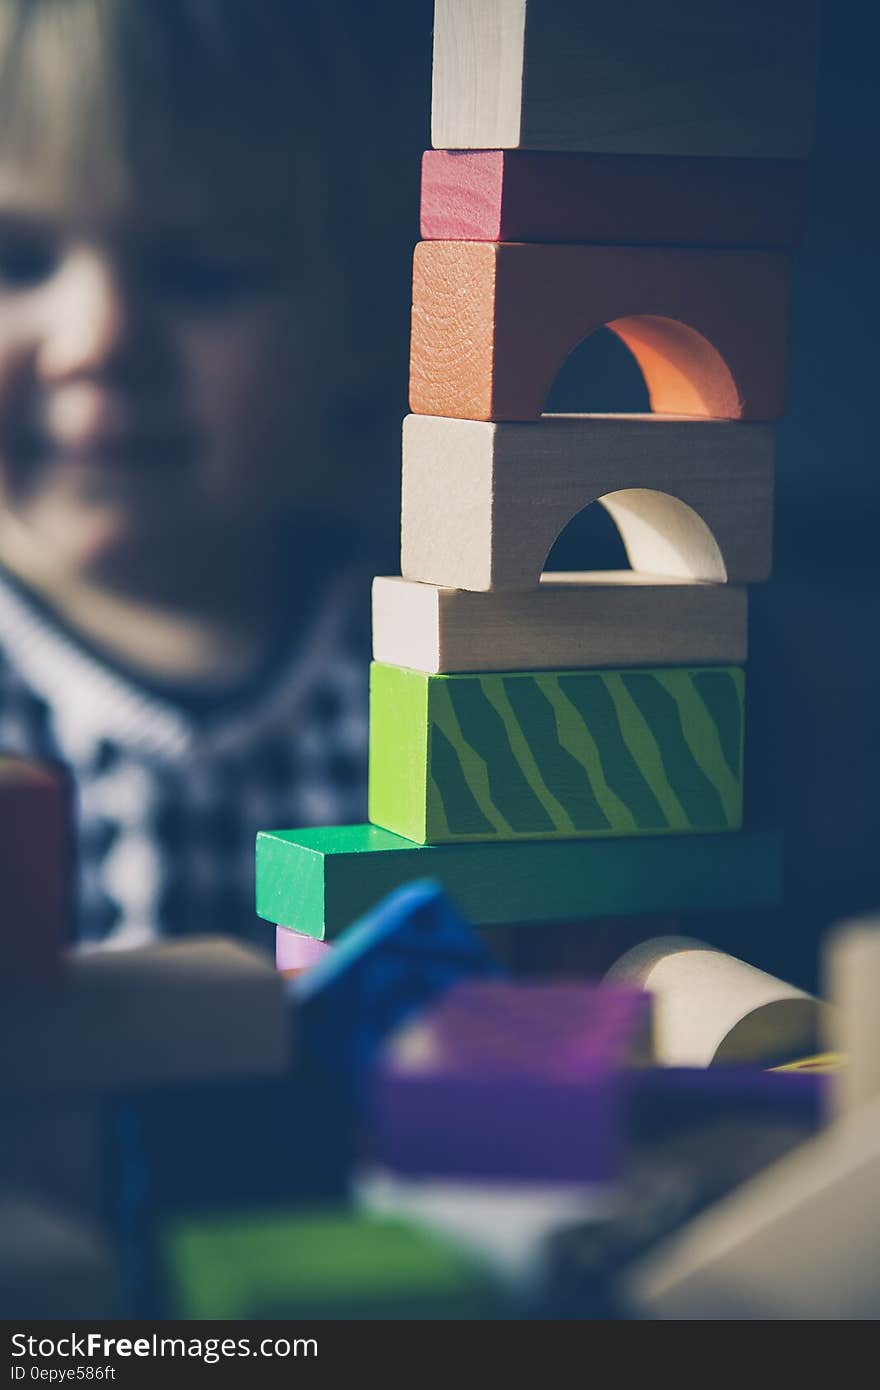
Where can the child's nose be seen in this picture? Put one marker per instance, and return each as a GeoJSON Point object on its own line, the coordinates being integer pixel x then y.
{"type": "Point", "coordinates": [89, 327]}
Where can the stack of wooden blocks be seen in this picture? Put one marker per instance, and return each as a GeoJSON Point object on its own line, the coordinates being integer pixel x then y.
{"type": "Point", "coordinates": [571, 746]}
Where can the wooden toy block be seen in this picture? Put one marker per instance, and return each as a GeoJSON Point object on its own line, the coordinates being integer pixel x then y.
{"type": "Point", "coordinates": [53, 1264]}
{"type": "Point", "coordinates": [403, 954]}
{"type": "Point", "coordinates": [670, 1179]}
{"type": "Point", "coordinates": [492, 324]}
{"type": "Point", "coordinates": [320, 1264]}
{"type": "Point", "coordinates": [524, 195]}
{"type": "Point", "coordinates": [711, 1008]}
{"type": "Point", "coordinates": [555, 754]}
{"type": "Point", "coordinates": [798, 1241]}
{"type": "Point", "coordinates": [223, 1146]}
{"type": "Point", "coordinates": [514, 1082]}
{"type": "Point", "coordinates": [851, 964]}
{"type": "Point", "coordinates": [599, 619]}
{"type": "Point", "coordinates": [296, 950]}
{"type": "Point", "coordinates": [36, 859]}
{"type": "Point", "coordinates": [320, 879]}
{"type": "Point", "coordinates": [176, 1012]}
{"type": "Point", "coordinates": [690, 79]}
{"type": "Point", "coordinates": [483, 503]}
{"type": "Point", "coordinates": [505, 1224]}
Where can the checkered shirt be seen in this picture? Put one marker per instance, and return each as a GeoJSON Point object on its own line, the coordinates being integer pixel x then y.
{"type": "Point", "coordinates": [168, 802]}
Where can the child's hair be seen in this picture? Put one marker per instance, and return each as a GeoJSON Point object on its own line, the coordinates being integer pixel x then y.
{"type": "Point", "coordinates": [100, 94]}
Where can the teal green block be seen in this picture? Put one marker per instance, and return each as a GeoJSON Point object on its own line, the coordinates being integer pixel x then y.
{"type": "Point", "coordinates": [528, 755]}
{"type": "Point", "coordinates": [321, 1264]}
{"type": "Point", "coordinates": [320, 880]}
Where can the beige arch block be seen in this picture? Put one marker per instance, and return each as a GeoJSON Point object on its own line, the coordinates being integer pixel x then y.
{"type": "Point", "coordinates": [798, 1241]}
{"type": "Point", "coordinates": [852, 977]}
{"type": "Point", "coordinates": [710, 1007]}
{"type": "Point", "coordinates": [484, 502]}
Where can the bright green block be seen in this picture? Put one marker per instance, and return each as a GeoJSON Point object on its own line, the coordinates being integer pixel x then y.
{"type": "Point", "coordinates": [319, 881]}
{"type": "Point", "coordinates": [321, 1264]}
{"type": "Point", "coordinates": [538, 755]}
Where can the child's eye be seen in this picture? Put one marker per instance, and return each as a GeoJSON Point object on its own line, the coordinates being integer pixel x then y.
{"type": "Point", "coordinates": [200, 283]}
{"type": "Point", "coordinates": [26, 262]}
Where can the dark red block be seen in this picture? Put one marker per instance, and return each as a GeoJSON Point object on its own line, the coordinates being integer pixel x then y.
{"type": "Point", "coordinates": [36, 856]}
{"type": "Point", "coordinates": [526, 195]}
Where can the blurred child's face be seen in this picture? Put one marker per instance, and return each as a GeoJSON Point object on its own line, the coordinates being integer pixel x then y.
{"type": "Point", "coordinates": [166, 375]}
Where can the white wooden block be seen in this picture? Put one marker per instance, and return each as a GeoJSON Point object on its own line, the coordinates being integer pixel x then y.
{"type": "Point", "coordinates": [710, 1007]}
{"type": "Point", "coordinates": [484, 502]}
{"type": "Point", "coordinates": [798, 1241]}
{"type": "Point", "coordinates": [852, 980]}
{"type": "Point", "coordinates": [570, 620]}
{"type": "Point", "coordinates": [198, 1010]}
{"type": "Point", "coordinates": [505, 1224]}
{"type": "Point", "coordinates": [635, 78]}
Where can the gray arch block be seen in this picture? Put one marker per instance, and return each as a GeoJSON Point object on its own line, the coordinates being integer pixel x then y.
{"type": "Point", "coordinates": [484, 502]}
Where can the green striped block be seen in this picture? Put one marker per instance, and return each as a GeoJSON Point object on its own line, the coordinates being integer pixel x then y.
{"type": "Point", "coordinates": [540, 755]}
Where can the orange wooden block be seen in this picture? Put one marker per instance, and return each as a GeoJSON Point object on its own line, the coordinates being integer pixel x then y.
{"type": "Point", "coordinates": [493, 322]}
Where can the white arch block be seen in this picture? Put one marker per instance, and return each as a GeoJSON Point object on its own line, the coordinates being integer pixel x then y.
{"type": "Point", "coordinates": [483, 502]}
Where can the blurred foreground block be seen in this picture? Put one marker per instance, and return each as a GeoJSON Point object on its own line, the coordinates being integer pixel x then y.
{"type": "Point", "coordinates": [404, 954]}
{"type": "Point", "coordinates": [851, 961]}
{"type": "Point", "coordinates": [320, 1264]}
{"type": "Point", "coordinates": [512, 1082]}
{"type": "Point", "coordinates": [504, 1224]}
{"type": "Point", "coordinates": [176, 1012]}
{"type": "Point", "coordinates": [52, 1264]}
{"type": "Point", "coordinates": [799, 1241]}
{"type": "Point", "coordinates": [36, 856]}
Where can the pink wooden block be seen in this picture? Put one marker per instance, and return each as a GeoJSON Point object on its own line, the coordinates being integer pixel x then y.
{"type": "Point", "coordinates": [295, 950]}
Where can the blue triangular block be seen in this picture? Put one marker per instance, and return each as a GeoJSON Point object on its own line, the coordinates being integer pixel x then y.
{"type": "Point", "coordinates": [400, 957]}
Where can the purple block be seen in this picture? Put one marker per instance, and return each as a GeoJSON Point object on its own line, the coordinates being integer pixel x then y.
{"type": "Point", "coordinates": [524, 1082]}
{"type": "Point", "coordinates": [666, 1098]}
{"type": "Point", "coordinates": [296, 951]}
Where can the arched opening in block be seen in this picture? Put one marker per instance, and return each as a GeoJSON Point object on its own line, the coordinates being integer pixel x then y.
{"type": "Point", "coordinates": [656, 534]}
{"type": "Point", "coordinates": [657, 365]}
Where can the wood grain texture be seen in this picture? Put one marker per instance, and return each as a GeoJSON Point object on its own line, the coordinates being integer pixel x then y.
{"type": "Point", "coordinates": [483, 503]}
{"type": "Point", "coordinates": [851, 967]}
{"type": "Point", "coordinates": [202, 1010]}
{"type": "Point", "coordinates": [799, 1241]}
{"type": "Point", "coordinates": [36, 862]}
{"type": "Point", "coordinates": [321, 879]}
{"type": "Point", "coordinates": [555, 754]}
{"type": "Point", "coordinates": [526, 195]}
{"type": "Point", "coordinates": [601, 619]}
{"type": "Point", "coordinates": [493, 323]}
{"type": "Point", "coordinates": [684, 78]}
